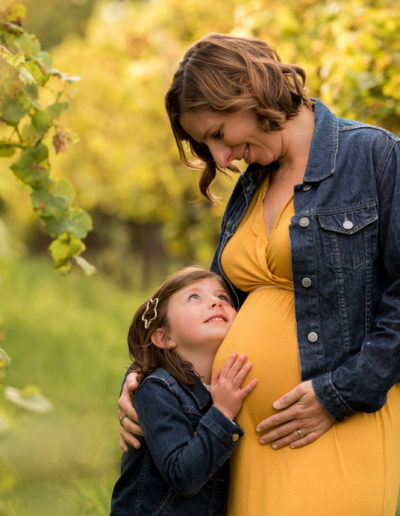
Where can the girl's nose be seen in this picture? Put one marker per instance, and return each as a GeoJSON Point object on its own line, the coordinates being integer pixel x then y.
{"type": "Point", "coordinates": [215, 301]}
{"type": "Point", "coordinates": [221, 154]}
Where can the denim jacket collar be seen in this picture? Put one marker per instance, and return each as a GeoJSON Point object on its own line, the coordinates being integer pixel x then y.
{"type": "Point", "coordinates": [200, 394]}
{"type": "Point", "coordinates": [324, 145]}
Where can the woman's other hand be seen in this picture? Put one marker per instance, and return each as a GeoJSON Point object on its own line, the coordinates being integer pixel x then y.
{"type": "Point", "coordinates": [300, 419]}
{"type": "Point", "coordinates": [129, 425]}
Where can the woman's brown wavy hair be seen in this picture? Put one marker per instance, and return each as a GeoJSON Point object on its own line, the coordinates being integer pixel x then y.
{"type": "Point", "coordinates": [226, 74]}
{"type": "Point", "coordinates": [145, 355]}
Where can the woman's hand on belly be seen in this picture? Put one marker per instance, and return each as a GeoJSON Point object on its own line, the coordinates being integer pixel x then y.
{"type": "Point", "coordinates": [300, 419]}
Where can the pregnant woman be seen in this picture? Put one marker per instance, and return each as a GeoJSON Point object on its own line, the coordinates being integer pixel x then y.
{"type": "Point", "coordinates": [310, 244]}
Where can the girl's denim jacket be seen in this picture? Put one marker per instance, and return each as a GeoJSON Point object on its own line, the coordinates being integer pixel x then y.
{"type": "Point", "coordinates": [182, 466]}
{"type": "Point", "coordinates": [345, 252]}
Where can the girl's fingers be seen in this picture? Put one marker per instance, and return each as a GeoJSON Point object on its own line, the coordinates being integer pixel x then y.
{"type": "Point", "coordinates": [228, 364]}
{"type": "Point", "coordinates": [249, 387]}
{"type": "Point", "coordinates": [236, 366]}
{"type": "Point", "coordinates": [242, 373]}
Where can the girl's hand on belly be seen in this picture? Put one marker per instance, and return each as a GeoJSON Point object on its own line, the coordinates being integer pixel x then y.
{"type": "Point", "coordinates": [301, 419]}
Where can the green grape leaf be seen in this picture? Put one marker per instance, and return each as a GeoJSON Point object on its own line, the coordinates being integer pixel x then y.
{"type": "Point", "coordinates": [57, 108]}
{"type": "Point", "coordinates": [63, 248]}
{"type": "Point", "coordinates": [12, 110]}
{"type": "Point", "coordinates": [63, 188]}
{"type": "Point", "coordinates": [45, 58]}
{"type": "Point", "coordinates": [37, 70]}
{"type": "Point", "coordinates": [32, 167]}
{"type": "Point", "coordinates": [13, 13]}
{"type": "Point", "coordinates": [31, 135]}
{"type": "Point", "coordinates": [80, 223]}
{"type": "Point", "coordinates": [41, 119]}
{"type": "Point", "coordinates": [77, 222]}
{"type": "Point", "coordinates": [52, 201]}
{"type": "Point", "coordinates": [6, 150]}
{"type": "Point", "coordinates": [47, 204]}
{"type": "Point", "coordinates": [28, 44]}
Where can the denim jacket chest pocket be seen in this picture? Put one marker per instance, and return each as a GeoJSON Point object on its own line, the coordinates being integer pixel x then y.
{"type": "Point", "coordinates": [349, 236]}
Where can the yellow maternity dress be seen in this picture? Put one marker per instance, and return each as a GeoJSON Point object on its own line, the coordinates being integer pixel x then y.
{"type": "Point", "coordinates": [351, 470]}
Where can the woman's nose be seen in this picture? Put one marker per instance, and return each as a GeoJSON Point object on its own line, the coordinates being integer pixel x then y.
{"type": "Point", "coordinates": [221, 154]}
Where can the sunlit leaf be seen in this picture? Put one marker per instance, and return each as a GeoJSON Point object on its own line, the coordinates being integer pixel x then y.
{"type": "Point", "coordinates": [87, 267]}
{"type": "Point", "coordinates": [65, 247]}
{"type": "Point", "coordinates": [29, 398]}
{"type": "Point", "coordinates": [6, 150]}
{"type": "Point", "coordinates": [5, 360]}
{"type": "Point", "coordinates": [32, 167]}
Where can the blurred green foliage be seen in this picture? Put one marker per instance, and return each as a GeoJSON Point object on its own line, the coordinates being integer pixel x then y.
{"type": "Point", "coordinates": [145, 204]}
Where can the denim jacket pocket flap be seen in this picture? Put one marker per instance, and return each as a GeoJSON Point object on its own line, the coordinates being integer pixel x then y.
{"type": "Point", "coordinates": [349, 221]}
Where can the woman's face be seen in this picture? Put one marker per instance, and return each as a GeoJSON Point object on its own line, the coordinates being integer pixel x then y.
{"type": "Point", "coordinates": [234, 136]}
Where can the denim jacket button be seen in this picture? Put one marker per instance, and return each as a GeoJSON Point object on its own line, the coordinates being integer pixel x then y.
{"type": "Point", "coordinates": [306, 188]}
{"type": "Point", "coordinates": [304, 222]}
{"type": "Point", "coordinates": [306, 282]}
{"type": "Point", "coordinates": [347, 224]}
{"type": "Point", "coordinates": [235, 437]}
{"type": "Point", "coordinates": [312, 336]}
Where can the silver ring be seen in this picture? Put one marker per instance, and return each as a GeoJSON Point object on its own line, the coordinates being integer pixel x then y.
{"type": "Point", "coordinates": [121, 418]}
{"type": "Point", "coordinates": [299, 433]}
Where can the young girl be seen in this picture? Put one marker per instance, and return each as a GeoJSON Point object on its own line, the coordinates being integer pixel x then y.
{"type": "Point", "coordinates": [182, 467]}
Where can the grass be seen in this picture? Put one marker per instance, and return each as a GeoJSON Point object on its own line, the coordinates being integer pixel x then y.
{"type": "Point", "coordinates": [67, 335]}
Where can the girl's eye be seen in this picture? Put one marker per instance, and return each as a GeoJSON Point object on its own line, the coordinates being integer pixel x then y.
{"type": "Point", "coordinates": [224, 297]}
{"type": "Point", "coordinates": [193, 296]}
{"type": "Point", "coordinates": [218, 135]}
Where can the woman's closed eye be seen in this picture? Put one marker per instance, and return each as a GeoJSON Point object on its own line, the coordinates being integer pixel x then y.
{"type": "Point", "coordinates": [218, 135]}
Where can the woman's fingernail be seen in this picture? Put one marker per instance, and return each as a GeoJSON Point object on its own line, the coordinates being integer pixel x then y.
{"type": "Point", "coordinates": [258, 429]}
{"type": "Point", "coordinates": [261, 441]}
{"type": "Point", "coordinates": [276, 404]}
{"type": "Point", "coordinates": [274, 446]}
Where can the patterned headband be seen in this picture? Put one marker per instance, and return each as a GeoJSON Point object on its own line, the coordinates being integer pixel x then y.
{"type": "Point", "coordinates": [151, 307]}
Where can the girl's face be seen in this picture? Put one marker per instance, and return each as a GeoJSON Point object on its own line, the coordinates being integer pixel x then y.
{"type": "Point", "coordinates": [199, 314]}
{"type": "Point", "coordinates": [234, 136]}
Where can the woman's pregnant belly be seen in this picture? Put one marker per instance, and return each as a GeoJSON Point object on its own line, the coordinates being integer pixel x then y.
{"type": "Point", "coordinates": [265, 330]}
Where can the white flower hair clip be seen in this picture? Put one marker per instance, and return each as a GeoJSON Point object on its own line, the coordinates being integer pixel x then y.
{"type": "Point", "coordinates": [151, 307]}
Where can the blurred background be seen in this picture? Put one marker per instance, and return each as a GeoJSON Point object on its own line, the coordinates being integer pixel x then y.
{"type": "Point", "coordinates": [66, 335]}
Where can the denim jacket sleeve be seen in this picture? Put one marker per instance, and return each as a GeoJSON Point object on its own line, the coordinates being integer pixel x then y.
{"type": "Point", "coordinates": [361, 383]}
{"type": "Point", "coordinates": [186, 458]}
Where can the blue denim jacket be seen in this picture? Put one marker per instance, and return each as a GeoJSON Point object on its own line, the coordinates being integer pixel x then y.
{"type": "Point", "coordinates": [345, 251]}
{"type": "Point", "coordinates": [182, 466]}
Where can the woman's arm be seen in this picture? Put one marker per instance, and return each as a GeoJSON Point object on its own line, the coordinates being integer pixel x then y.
{"type": "Point", "coordinates": [129, 421]}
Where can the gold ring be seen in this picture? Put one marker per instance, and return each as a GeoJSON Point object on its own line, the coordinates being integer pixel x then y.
{"type": "Point", "coordinates": [299, 433]}
{"type": "Point", "coordinates": [121, 418]}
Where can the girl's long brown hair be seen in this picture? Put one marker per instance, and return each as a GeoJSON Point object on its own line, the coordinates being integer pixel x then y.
{"type": "Point", "coordinates": [226, 74]}
{"type": "Point", "coordinates": [145, 355]}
